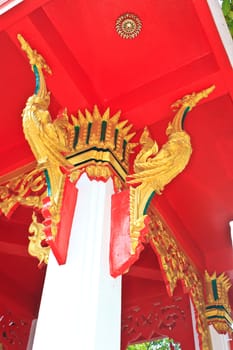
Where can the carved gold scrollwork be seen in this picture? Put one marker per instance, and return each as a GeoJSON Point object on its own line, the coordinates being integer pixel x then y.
{"type": "Point", "coordinates": [176, 266]}
{"type": "Point", "coordinates": [36, 239]}
{"type": "Point", "coordinates": [27, 189]}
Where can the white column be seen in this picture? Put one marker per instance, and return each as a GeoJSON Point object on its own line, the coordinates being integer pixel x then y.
{"type": "Point", "coordinates": [194, 322]}
{"type": "Point", "coordinates": [222, 28]}
{"type": "Point", "coordinates": [219, 341]}
{"type": "Point", "coordinates": [31, 334]}
{"type": "Point", "coordinates": [81, 302]}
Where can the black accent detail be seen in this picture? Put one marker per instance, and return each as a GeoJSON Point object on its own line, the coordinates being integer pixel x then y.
{"type": "Point", "coordinates": [103, 130]}
{"type": "Point", "coordinates": [100, 161]}
{"type": "Point", "coordinates": [76, 135]}
{"type": "Point", "coordinates": [88, 133]}
{"type": "Point", "coordinates": [115, 138]}
{"type": "Point", "coordinates": [124, 149]}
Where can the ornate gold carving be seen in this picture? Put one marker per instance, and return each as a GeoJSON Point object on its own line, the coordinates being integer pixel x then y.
{"type": "Point", "coordinates": [98, 172]}
{"type": "Point", "coordinates": [175, 266]}
{"type": "Point", "coordinates": [218, 309]}
{"type": "Point", "coordinates": [101, 140]}
{"type": "Point", "coordinates": [64, 147]}
{"type": "Point", "coordinates": [128, 26]}
{"type": "Point", "coordinates": [37, 237]}
{"type": "Point", "coordinates": [27, 189]}
{"type": "Point", "coordinates": [155, 168]}
{"type": "Point", "coordinates": [49, 140]}
{"type": "Point", "coordinates": [91, 138]}
{"type": "Point", "coordinates": [192, 100]}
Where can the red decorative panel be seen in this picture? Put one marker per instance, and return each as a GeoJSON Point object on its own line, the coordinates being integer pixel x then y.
{"type": "Point", "coordinates": [14, 330]}
{"type": "Point", "coordinates": [158, 317]}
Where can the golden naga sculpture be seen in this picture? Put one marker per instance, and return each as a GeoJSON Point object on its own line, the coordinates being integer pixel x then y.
{"type": "Point", "coordinates": [155, 168]}
{"type": "Point", "coordinates": [47, 139]}
{"type": "Point", "coordinates": [64, 147]}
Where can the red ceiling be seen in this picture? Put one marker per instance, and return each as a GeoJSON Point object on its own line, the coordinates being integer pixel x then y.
{"type": "Point", "coordinates": [177, 52]}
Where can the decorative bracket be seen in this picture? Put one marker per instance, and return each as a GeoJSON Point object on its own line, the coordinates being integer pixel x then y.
{"type": "Point", "coordinates": [64, 147]}
{"type": "Point", "coordinates": [153, 170]}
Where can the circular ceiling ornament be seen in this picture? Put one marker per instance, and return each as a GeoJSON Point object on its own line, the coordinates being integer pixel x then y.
{"type": "Point", "coordinates": [128, 26]}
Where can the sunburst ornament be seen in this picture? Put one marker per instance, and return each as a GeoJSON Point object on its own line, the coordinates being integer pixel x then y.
{"type": "Point", "coordinates": [128, 26]}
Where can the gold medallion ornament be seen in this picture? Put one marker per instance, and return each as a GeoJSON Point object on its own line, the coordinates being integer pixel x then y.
{"type": "Point", "coordinates": [128, 26]}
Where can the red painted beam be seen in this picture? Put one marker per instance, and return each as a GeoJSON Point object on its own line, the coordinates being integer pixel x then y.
{"type": "Point", "coordinates": [145, 273]}
{"type": "Point", "coordinates": [20, 11]}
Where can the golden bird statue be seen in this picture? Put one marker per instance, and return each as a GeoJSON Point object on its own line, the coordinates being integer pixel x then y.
{"type": "Point", "coordinates": [49, 140]}
{"type": "Point", "coordinates": [154, 168]}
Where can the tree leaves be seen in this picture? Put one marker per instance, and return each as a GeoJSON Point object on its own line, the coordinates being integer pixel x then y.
{"type": "Point", "coordinates": [227, 9]}
{"type": "Point", "coordinates": [160, 344]}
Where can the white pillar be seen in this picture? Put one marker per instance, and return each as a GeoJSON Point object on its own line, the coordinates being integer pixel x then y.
{"type": "Point", "coordinates": [31, 334]}
{"type": "Point", "coordinates": [219, 341]}
{"type": "Point", "coordinates": [81, 302]}
{"type": "Point", "coordinates": [222, 28]}
{"type": "Point", "coordinates": [194, 323]}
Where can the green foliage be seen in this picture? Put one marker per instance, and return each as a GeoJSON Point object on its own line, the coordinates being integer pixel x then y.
{"type": "Point", "coordinates": [227, 9]}
{"type": "Point", "coordinates": [161, 344]}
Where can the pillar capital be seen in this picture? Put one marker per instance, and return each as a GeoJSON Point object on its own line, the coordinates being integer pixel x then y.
{"type": "Point", "coordinates": [218, 310]}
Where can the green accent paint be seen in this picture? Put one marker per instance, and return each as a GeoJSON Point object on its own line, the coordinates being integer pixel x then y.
{"type": "Point", "coordinates": [48, 182]}
{"type": "Point", "coordinates": [76, 135]}
{"type": "Point", "coordinates": [35, 70]}
{"type": "Point", "coordinates": [103, 130]}
{"type": "Point", "coordinates": [124, 149]}
{"type": "Point", "coordinates": [148, 202]}
{"type": "Point", "coordinates": [215, 290]}
{"type": "Point", "coordinates": [184, 116]}
{"type": "Point", "coordinates": [115, 138]}
{"type": "Point", "coordinates": [88, 132]}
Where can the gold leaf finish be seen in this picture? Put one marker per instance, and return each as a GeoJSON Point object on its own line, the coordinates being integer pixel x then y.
{"type": "Point", "coordinates": [36, 237]}
{"type": "Point", "coordinates": [218, 309]}
{"type": "Point", "coordinates": [176, 266]}
{"type": "Point", "coordinates": [155, 168]}
{"type": "Point", "coordinates": [63, 147]}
